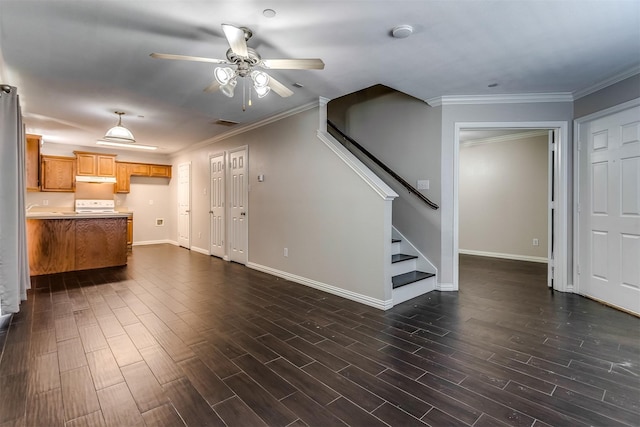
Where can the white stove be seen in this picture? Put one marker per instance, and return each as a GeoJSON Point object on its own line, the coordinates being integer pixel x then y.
{"type": "Point", "coordinates": [88, 206]}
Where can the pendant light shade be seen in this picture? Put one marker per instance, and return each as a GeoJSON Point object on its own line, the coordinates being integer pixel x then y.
{"type": "Point", "coordinates": [119, 132]}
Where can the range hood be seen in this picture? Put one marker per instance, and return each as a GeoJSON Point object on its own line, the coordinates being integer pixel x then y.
{"type": "Point", "coordinates": [97, 179]}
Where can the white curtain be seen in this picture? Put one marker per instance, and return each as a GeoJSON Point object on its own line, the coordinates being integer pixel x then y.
{"type": "Point", "coordinates": [14, 264]}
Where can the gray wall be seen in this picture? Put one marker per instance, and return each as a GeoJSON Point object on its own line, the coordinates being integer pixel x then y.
{"type": "Point", "coordinates": [310, 202]}
{"type": "Point", "coordinates": [502, 191]}
{"type": "Point", "coordinates": [452, 114]}
{"type": "Point", "coordinates": [404, 133]}
{"type": "Point", "coordinates": [610, 96]}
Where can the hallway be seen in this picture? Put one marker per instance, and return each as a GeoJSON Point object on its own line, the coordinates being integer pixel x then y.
{"type": "Point", "coordinates": [179, 338]}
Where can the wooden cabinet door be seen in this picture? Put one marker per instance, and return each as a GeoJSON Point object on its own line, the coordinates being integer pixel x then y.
{"type": "Point", "coordinates": [106, 165]}
{"type": "Point", "coordinates": [130, 232]}
{"type": "Point", "coordinates": [122, 177]}
{"type": "Point", "coordinates": [58, 173]}
{"type": "Point", "coordinates": [86, 164]}
{"type": "Point", "coordinates": [33, 162]}
{"type": "Point", "coordinates": [160, 171]}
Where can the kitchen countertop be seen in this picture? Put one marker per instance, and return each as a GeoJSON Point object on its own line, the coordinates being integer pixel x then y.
{"type": "Point", "coordinates": [73, 215]}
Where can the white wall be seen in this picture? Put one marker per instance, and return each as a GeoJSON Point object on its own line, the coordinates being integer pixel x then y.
{"type": "Point", "coordinates": [310, 202]}
{"type": "Point", "coordinates": [502, 193]}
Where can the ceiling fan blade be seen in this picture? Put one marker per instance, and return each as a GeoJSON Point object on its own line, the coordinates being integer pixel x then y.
{"type": "Point", "coordinates": [279, 88]}
{"type": "Point", "coordinates": [294, 64]}
{"type": "Point", "coordinates": [236, 38]}
{"type": "Point", "coordinates": [188, 58]}
{"type": "Point", "coordinates": [214, 86]}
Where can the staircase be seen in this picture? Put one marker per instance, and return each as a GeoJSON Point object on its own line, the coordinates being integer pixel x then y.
{"type": "Point", "coordinates": [411, 272]}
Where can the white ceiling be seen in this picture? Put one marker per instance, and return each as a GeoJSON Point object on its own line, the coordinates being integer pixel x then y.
{"type": "Point", "coordinates": [76, 62]}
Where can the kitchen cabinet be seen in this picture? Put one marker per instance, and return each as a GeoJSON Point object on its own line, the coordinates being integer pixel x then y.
{"type": "Point", "coordinates": [125, 170]}
{"type": "Point", "coordinates": [95, 164]}
{"type": "Point", "coordinates": [33, 162]}
{"type": "Point", "coordinates": [130, 232]}
{"type": "Point", "coordinates": [163, 171]}
{"type": "Point", "coordinates": [59, 245]}
{"type": "Point", "coordinates": [57, 173]}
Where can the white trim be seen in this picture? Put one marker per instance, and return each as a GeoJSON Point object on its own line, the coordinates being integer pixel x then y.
{"type": "Point", "coordinates": [576, 180]}
{"type": "Point", "coordinates": [246, 128]}
{"type": "Point", "coordinates": [5, 319]}
{"type": "Point", "coordinates": [514, 257]}
{"type": "Point", "coordinates": [606, 83]}
{"type": "Point", "coordinates": [155, 242]}
{"type": "Point", "coordinates": [504, 138]}
{"type": "Point", "coordinates": [353, 296]}
{"type": "Point", "coordinates": [520, 98]}
{"type": "Point", "coordinates": [561, 262]}
{"type": "Point", "coordinates": [357, 166]}
{"type": "Point", "coordinates": [445, 287]}
{"type": "Point", "coordinates": [200, 250]}
{"type": "Point", "coordinates": [227, 204]}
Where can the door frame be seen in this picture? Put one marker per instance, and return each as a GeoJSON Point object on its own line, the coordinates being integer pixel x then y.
{"type": "Point", "coordinates": [561, 187]}
{"type": "Point", "coordinates": [228, 184]}
{"type": "Point", "coordinates": [190, 202]}
{"type": "Point", "coordinates": [224, 244]}
{"type": "Point", "coordinates": [577, 181]}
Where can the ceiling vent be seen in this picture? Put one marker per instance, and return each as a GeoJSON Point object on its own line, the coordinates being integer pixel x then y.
{"type": "Point", "coordinates": [223, 122]}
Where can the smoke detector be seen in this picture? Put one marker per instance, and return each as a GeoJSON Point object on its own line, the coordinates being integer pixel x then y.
{"type": "Point", "coordinates": [402, 31]}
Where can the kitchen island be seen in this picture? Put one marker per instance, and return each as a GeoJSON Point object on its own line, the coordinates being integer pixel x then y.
{"type": "Point", "coordinates": [68, 241]}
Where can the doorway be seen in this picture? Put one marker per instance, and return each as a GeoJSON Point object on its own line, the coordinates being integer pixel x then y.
{"type": "Point", "coordinates": [558, 195]}
{"type": "Point", "coordinates": [184, 205]}
{"type": "Point", "coordinates": [217, 204]}
{"type": "Point", "coordinates": [505, 195]}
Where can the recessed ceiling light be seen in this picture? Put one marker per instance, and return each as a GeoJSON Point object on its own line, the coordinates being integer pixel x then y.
{"type": "Point", "coordinates": [269, 13]}
{"type": "Point", "coordinates": [402, 31]}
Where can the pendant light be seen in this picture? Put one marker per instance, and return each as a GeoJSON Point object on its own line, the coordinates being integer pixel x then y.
{"type": "Point", "coordinates": [119, 132]}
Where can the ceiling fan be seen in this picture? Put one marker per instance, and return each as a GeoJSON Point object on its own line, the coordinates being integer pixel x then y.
{"type": "Point", "coordinates": [246, 60]}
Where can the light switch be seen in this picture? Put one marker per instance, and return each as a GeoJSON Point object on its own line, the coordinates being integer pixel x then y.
{"type": "Point", "coordinates": [423, 184]}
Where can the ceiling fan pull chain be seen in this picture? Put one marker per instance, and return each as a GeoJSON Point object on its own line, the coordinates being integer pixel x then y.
{"type": "Point", "coordinates": [244, 96]}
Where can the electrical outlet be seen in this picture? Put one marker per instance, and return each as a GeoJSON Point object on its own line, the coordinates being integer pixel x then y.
{"type": "Point", "coordinates": [536, 242]}
{"type": "Point", "coordinates": [199, 235]}
{"type": "Point", "coordinates": [45, 202]}
{"type": "Point", "coordinates": [286, 252]}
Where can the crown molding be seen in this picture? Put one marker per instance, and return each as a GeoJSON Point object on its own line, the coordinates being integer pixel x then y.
{"type": "Point", "coordinates": [516, 98]}
{"type": "Point", "coordinates": [247, 127]}
{"type": "Point", "coordinates": [505, 138]}
{"type": "Point", "coordinates": [608, 82]}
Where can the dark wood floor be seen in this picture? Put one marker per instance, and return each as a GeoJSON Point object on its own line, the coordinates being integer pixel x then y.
{"type": "Point", "coordinates": [181, 338]}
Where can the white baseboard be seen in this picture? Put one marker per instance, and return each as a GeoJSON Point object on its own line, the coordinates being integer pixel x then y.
{"type": "Point", "coordinates": [155, 242]}
{"type": "Point", "coordinates": [504, 256]}
{"type": "Point", "coordinates": [353, 296]}
{"type": "Point", "coordinates": [445, 287]}
{"type": "Point", "coordinates": [200, 250]}
{"type": "Point", "coordinates": [4, 322]}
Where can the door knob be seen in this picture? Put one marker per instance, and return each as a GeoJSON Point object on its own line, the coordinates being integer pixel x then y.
{"type": "Point", "coordinates": [210, 211]}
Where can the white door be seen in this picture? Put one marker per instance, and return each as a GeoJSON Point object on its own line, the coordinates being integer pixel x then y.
{"type": "Point", "coordinates": [238, 206]}
{"type": "Point", "coordinates": [184, 205]}
{"type": "Point", "coordinates": [216, 210]}
{"type": "Point", "coordinates": [609, 209]}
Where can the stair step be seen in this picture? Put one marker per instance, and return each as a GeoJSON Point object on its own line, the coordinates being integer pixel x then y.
{"type": "Point", "coordinates": [410, 277]}
{"type": "Point", "coordinates": [401, 257]}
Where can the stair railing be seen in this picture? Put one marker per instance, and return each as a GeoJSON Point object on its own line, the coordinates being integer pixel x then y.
{"type": "Point", "coordinates": [405, 184]}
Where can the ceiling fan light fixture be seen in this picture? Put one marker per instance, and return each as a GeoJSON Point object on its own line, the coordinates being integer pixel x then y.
{"type": "Point", "coordinates": [223, 75]}
{"type": "Point", "coordinates": [262, 91]}
{"type": "Point", "coordinates": [260, 79]}
{"type": "Point", "coordinates": [119, 132]}
{"type": "Point", "coordinates": [229, 88]}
